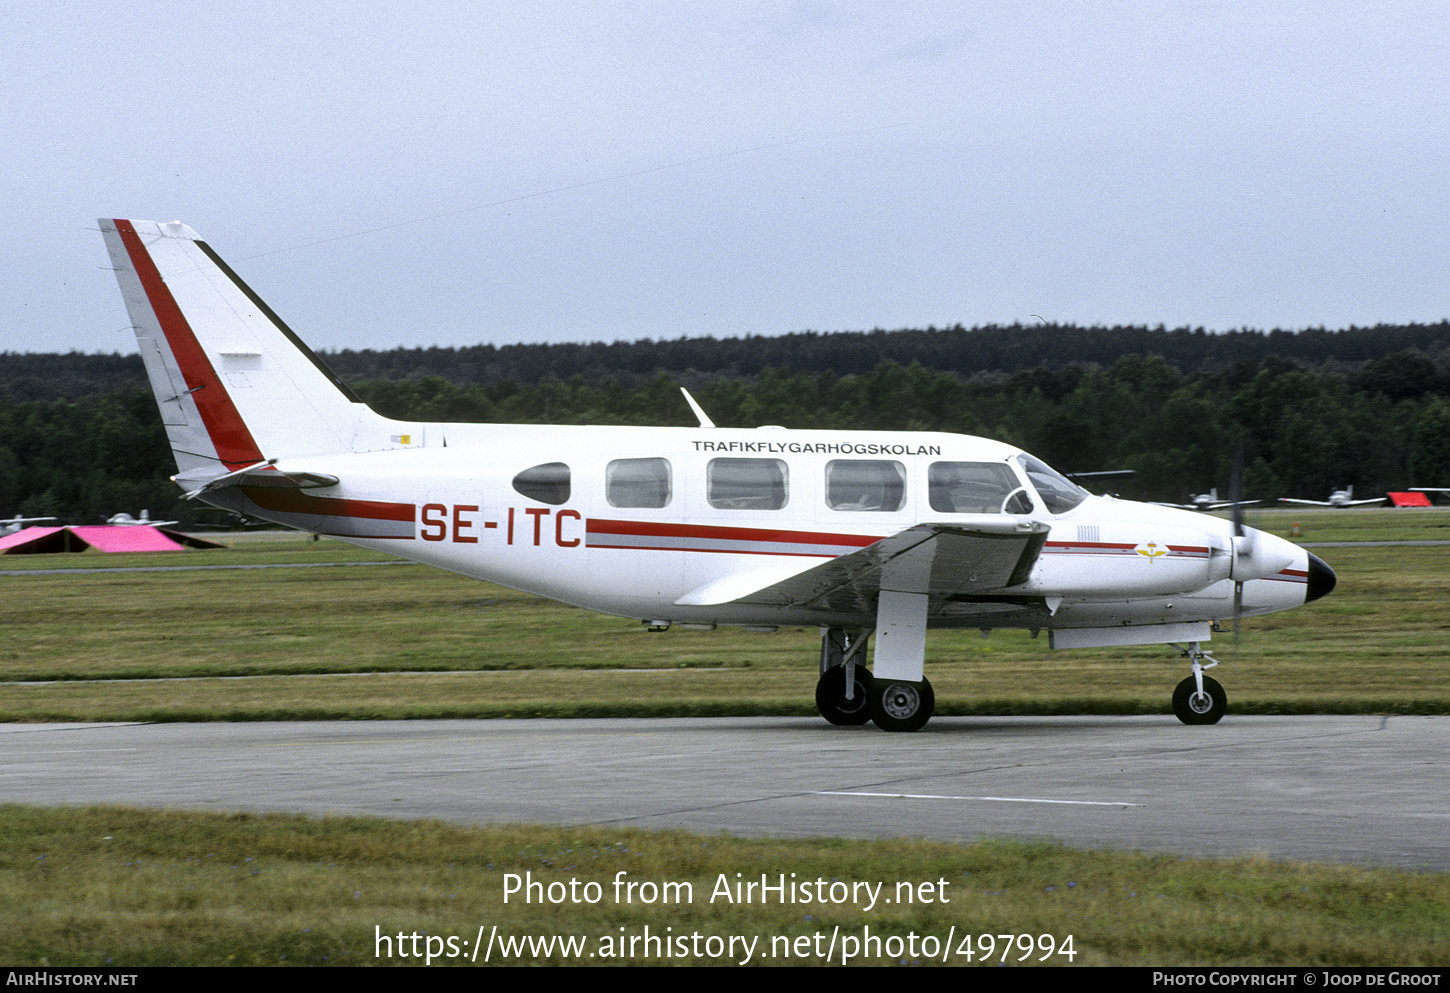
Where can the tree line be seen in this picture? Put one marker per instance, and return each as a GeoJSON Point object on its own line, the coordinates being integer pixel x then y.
{"type": "Point", "coordinates": [1378, 424]}
{"type": "Point", "coordinates": [1301, 432]}
{"type": "Point", "coordinates": [964, 352]}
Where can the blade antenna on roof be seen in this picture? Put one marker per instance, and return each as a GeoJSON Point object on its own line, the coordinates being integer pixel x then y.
{"type": "Point", "coordinates": [705, 421]}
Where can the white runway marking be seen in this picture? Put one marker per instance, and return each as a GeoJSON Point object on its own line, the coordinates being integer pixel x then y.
{"type": "Point", "coordinates": [997, 799]}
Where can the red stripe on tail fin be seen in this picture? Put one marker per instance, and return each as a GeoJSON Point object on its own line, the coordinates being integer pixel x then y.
{"type": "Point", "coordinates": [234, 443]}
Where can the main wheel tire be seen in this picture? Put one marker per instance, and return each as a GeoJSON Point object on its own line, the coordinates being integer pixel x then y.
{"type": "Point", "coordinates": [899, 705]}
{"type": "Point", "coordinates": [831, 696]}
{"type": "Point", "coordinates": [1195, 708]}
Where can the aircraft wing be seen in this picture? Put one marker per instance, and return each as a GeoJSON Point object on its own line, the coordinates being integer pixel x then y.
{"type": "Point", "coordinates": [1310, 503]}
{"type": "Point", "coordinates": [948, 562]}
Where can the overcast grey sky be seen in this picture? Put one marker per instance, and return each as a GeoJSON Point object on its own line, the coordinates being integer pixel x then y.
{"type": "Point", "coordinates": [429, 173]}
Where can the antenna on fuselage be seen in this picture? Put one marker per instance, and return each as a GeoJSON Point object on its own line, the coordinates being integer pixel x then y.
{"type": "Point", "coordinates": [705, 421]}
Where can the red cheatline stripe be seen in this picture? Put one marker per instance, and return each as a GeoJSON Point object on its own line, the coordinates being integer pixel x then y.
{"type": "Point", "coordinates": [657, 530]}
{"type": "Point", "coordinates": [234, 443]}
{"type": "Point", "coordinates": [1123, 547]}
{"type": "Point", "coordinates": [1120, 546]}
{"type": "Point", "coordinates": [297, 502]}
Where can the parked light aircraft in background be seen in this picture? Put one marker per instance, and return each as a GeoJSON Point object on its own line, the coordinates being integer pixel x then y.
{"type": "Point", "coordinates": [10, 525]}
{"type": "Point", "coordinates": [124, 519]}
{"type": "Point", "coordinates": [1339, 498]}
{"type": "Point", "coordinates": [855, 532]}
{"type": "Point", "coordinates": [1207, 501]}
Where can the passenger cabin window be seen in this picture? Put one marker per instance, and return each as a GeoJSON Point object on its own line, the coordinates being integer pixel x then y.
{"type": "Point", "coordinates": [546, 483]}
{"type": "Point", "coordinates": [746, 484]}
{"type": "Point", "coordinates": [637, 482]}
{"type": "Point", "coordinates": [976, 488]}
{"type": "Point", "coordinates": [862, 485]}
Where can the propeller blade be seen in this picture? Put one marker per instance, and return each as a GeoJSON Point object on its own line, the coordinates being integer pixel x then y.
{"type": "Point", "coordinates": [1241, 542]}
{"type": "Point", "coordinates": [1236, 489]}
{"type": "Point", "coordinates": [1238, 610]}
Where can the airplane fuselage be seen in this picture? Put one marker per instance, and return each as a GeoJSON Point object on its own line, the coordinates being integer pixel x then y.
{"type": "Point", "coordinates": [630, 521]}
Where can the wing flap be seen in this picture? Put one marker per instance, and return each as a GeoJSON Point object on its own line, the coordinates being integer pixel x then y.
{"type": "Point", "coordinates": [948, 562]}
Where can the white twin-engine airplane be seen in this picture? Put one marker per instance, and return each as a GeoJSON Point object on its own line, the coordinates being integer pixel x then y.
{"type": "Point", "coordinates": [1207, 501]}
{"type": "Point", "coordinates": [1339, 498]}
{"type": "Point", "coordinates": [851, 531]}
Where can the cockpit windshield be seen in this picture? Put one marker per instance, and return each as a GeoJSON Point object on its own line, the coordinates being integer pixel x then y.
{"type": "Point", "coordinates": [1059, 494]}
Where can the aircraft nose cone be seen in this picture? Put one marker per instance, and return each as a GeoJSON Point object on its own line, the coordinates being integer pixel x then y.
{"type": "Point", "coordinates": [1321, 578]}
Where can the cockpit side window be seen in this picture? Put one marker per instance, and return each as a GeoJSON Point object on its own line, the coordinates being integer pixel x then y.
{"type": "Point", "coordinates": [865, 485]}
{"type": "Point", "coordinates": [1058, 492]}
{"type": "Point", "coordinates": [637, 482]}
{"type": "Point", "coordinates": [976, 488]}
{"type": "Point", "coordinates": [747, 484]}
{"type": "Point", "coordinates": [546, 483]}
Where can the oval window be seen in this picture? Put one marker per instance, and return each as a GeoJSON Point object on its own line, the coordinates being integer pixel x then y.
{"type": "Point", "coordinates": [546, 483]}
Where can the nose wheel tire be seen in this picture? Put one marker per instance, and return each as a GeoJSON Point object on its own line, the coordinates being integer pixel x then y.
{"type": "Point", "coordinates": [898, 705]}
{"type": "Point", "coordinates": [831, 696]}
{"type": "Point", "coordinates": [1193, 707]}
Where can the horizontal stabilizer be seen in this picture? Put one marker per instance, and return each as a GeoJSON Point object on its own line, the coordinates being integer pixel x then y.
{"type": "Point", "coordinates": [262, 474]}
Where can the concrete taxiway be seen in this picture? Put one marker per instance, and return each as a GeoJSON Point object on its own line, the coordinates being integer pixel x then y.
{"type": "Point", "coordinates": [1362, 789]}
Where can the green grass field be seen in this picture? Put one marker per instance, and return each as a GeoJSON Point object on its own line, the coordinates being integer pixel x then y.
{"type": "Point", "coordinates": [125, 887]}
{"type": "Point", "coordinates": [103, 886]}
{"type": "Point", "coordinates": [402, 640]}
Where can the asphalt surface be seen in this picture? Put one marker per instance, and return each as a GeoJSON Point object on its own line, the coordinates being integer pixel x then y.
{"type": "Point", "coordinates": [1359, 789]}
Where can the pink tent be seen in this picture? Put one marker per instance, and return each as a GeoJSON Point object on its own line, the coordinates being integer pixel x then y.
{"type": "Point", "coordinates": [102, 537]}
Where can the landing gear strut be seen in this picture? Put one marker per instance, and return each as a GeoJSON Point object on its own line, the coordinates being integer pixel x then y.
{"type": "Point", "coordinates": [843, 693]}
{"type": "Point", "coordinates": [1199, 699]}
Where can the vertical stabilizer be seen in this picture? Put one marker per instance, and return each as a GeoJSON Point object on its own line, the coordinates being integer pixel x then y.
{"type": "Point", "coordinates": [235, 386]}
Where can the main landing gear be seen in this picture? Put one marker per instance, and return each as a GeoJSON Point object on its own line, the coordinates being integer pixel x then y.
{"type": "Point", "coordinates": [1199, 699]}
{"type": "Point", "coordinates": [843, 693]}
{"type": "Point", "coordinates": [837, 703]}
{"type": "Point", "coordinates": [847, 694]}
{"type": "Point", "coordinates": [898, 705]}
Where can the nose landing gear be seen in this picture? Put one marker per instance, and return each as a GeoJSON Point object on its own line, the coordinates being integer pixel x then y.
{"type": "Point", "coordinates": [1199, 699]}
